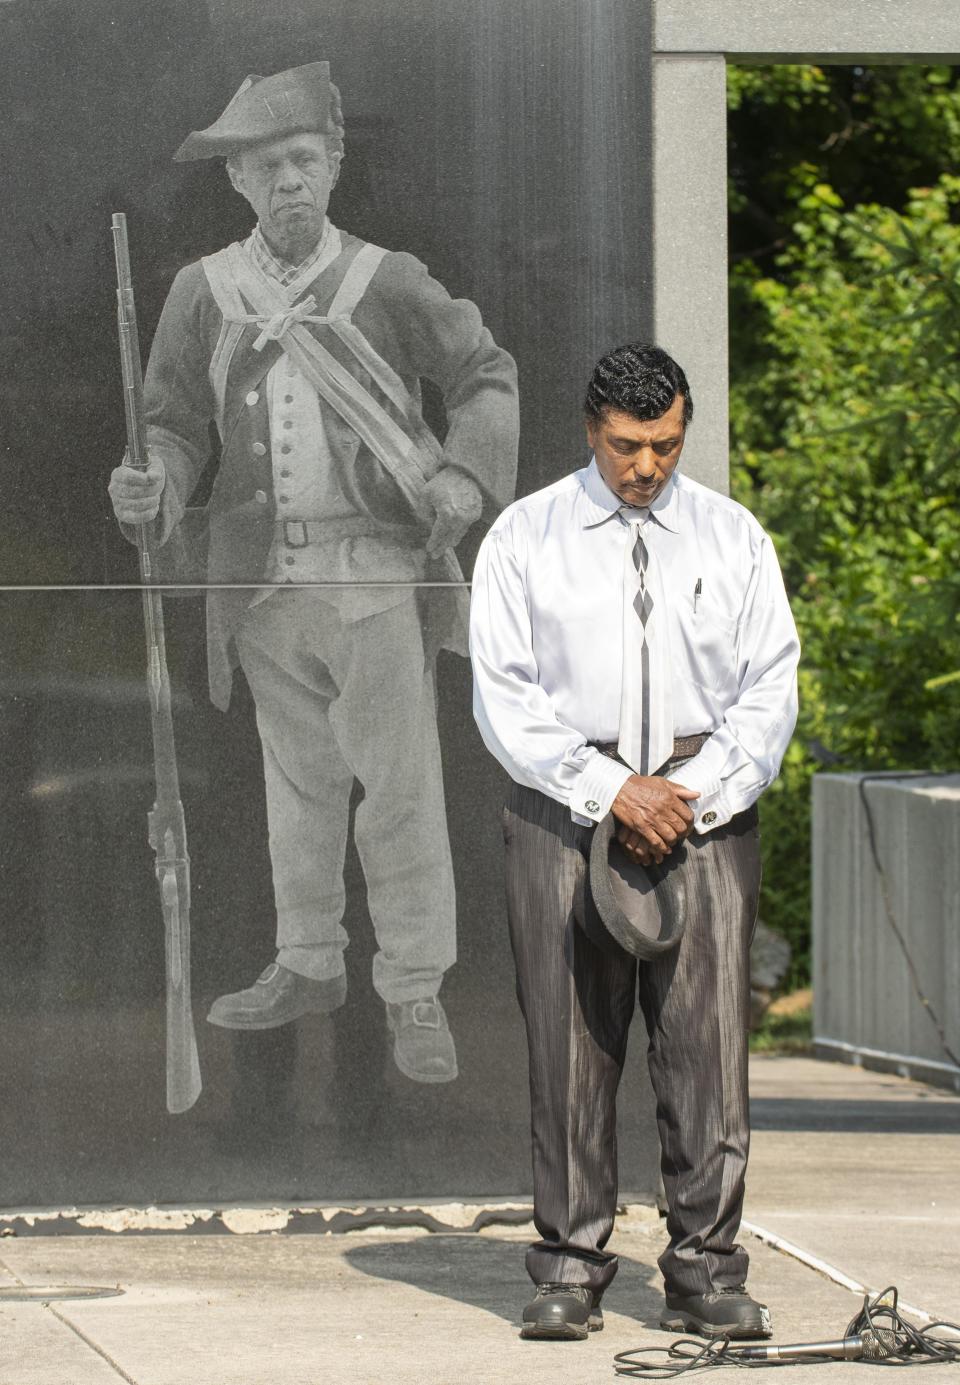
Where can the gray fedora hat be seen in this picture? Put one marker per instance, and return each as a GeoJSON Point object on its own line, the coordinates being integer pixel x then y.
{"type": "Point", "coordinates": [642, 908]}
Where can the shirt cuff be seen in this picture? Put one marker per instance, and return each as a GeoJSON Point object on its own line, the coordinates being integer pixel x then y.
{"type": "Point", "coordinates": [709, 810]}
{"type": "Point", "coordinates": [601, 779]}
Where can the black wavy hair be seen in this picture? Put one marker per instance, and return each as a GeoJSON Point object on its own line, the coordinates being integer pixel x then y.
{"type": "Point", "coordinates": [638, 379]}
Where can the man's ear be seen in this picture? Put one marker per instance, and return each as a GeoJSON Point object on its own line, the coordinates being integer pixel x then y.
{"type": "Point", "coordinates": [235, 176]}
{"type": "Point", "coordinates": [590, 425]}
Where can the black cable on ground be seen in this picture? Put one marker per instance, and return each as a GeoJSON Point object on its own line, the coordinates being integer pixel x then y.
{"type": "Point", "coordinates": [878, 1335]}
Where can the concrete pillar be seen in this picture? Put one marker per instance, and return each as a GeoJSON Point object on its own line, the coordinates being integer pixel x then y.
{"type": "Point", "coordinates": [690, 244]}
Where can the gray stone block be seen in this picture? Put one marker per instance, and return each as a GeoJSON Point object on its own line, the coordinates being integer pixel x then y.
{"type": "Point", "coordinates": [886, 942]}
{"type": "Point", "coordinates": [769, 959]}
{"type": "Point", "coordinates": [785, 31]}
{"type": "Point", "coordinates": [690, 247]}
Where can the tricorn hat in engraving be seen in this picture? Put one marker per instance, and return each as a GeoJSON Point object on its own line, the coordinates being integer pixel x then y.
{"type": "Point", "coordinates": [266, 108]}
{"type": "Point", "coordinates": [642, 908]}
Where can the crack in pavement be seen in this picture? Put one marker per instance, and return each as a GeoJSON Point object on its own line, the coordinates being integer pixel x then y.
{"type": "Point", "coordinates": [72, 1327]}
{"type": "Point", "coordinates": [105, 1355]}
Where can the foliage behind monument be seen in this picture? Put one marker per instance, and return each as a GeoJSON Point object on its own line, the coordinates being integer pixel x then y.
{"type": "Point", "coordinates": [845, 417]}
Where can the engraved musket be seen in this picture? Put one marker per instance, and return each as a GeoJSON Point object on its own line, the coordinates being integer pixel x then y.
{"type": "Point", "coordinates": [166, 825]}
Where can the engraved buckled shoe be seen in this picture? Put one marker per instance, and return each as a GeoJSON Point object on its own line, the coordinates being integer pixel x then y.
{"type": "Point", "coordinates": [563, 1312]}
{"type": "Point", "coordinates": [721, 1313]}
{"type": "Point", "coordinates": [423, 1046]}
{"type": "Point", "coordinates": [276, 997]}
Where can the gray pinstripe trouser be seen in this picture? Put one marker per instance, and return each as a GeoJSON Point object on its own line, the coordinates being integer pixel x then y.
{"type": "Point", "coordinates": [577, 1002]}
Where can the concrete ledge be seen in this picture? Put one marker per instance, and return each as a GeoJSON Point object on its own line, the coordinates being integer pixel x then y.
{"type": "Point", "coordinates": [690, 246]}
{"type": "Point", "coordinates": [440, 1217]}
{"type": "Point", "coordinates": [903, 1064]}
{"type": "Point", "coordinates": [763, 31]}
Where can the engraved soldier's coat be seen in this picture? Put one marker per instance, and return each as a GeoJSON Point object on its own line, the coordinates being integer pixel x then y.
{"type": "Point", "coordinates": [413, 324]}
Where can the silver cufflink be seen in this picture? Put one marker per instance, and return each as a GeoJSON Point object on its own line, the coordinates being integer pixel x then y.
{"type": "Point", "coordinates": [592, 806]}
{"type": "Point", "coordinates": [708, 818]}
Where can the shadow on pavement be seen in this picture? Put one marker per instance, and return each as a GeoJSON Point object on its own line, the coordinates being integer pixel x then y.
{"type": "Point", "coordinates": [889, 1117]}
{"type": "Point", "coordinates": [489, 1274]}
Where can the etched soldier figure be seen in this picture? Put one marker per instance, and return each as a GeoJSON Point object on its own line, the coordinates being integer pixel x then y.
{"type": "Point", "coordinates": [305, 346]}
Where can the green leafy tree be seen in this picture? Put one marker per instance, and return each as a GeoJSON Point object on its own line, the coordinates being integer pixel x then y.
{"type": "Point", "coordinates": [845, 421]}
{"type": "Point", "coordinates": [871, 133]}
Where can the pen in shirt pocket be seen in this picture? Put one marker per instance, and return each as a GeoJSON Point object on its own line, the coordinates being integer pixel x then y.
{"type": "Point", "coordinates": [696, 593]}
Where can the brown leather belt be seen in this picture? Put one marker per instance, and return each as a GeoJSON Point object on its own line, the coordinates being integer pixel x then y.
{"type": "Point", "coordinates": [684, 747]}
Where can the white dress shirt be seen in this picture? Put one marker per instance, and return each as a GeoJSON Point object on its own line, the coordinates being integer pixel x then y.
{"type": "Point", "coordinates": [546, 640]}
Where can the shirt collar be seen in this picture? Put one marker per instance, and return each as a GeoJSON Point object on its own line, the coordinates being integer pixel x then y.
{"type": "Point", "coordinates": [291, 276]}
{"type": "Point", "coordinates": [598, 502]}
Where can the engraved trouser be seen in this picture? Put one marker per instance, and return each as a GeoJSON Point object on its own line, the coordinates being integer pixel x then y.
{"type": "Point", "coordinates": [577, 1002]}
{"type": "Point", "coordinates": [337, 701]}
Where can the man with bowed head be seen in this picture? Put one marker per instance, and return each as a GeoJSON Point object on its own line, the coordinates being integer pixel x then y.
{"type": "Point", "coordinates": [305, 347]}
{"type": "Point", "coordinates": [634, 664]}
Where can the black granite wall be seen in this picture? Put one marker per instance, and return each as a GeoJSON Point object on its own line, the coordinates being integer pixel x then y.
{"type": "Point", "coordinates": [507, 146]}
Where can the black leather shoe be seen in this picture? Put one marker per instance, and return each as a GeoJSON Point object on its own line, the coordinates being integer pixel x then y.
{"type": "Point", "coordinates": [423, 1047]}
{"type": "Point", "coordinates": [722, 1313]}
{"type": "Point", "coordinates": [277, 997]}
{"type": "Point", "coordinates": [565, 1312]}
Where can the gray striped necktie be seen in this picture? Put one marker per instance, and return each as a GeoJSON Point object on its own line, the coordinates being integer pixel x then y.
{"type": "Point", "coordinates": [646, 717]}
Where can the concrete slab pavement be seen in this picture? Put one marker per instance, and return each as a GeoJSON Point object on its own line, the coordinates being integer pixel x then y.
{"type": "Point", "coordinates": [415, 1308]}
{"type": "Point", "coordinates": [366, 1308]}
{"type": "Point", "coordinates": [863, 1170]}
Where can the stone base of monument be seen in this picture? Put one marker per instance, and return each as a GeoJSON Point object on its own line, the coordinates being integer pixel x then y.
{"type": "Point", "coordinates": [770, 955]}
{"type": "Point", "coordinates": [886, 922]}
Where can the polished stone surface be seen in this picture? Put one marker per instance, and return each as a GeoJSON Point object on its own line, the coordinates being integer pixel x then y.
{"type": "Point", "coordinates": [506, 146]}
{"type": "Point", "coordinates": [313, 1111]}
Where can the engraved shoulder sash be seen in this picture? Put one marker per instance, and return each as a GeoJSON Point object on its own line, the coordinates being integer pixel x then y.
{"type": "Point", "coordinates": [405, 447]}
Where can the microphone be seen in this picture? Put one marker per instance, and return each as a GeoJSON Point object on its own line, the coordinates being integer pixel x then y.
{"type": "Point", "coordinates": [869, 1346]}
